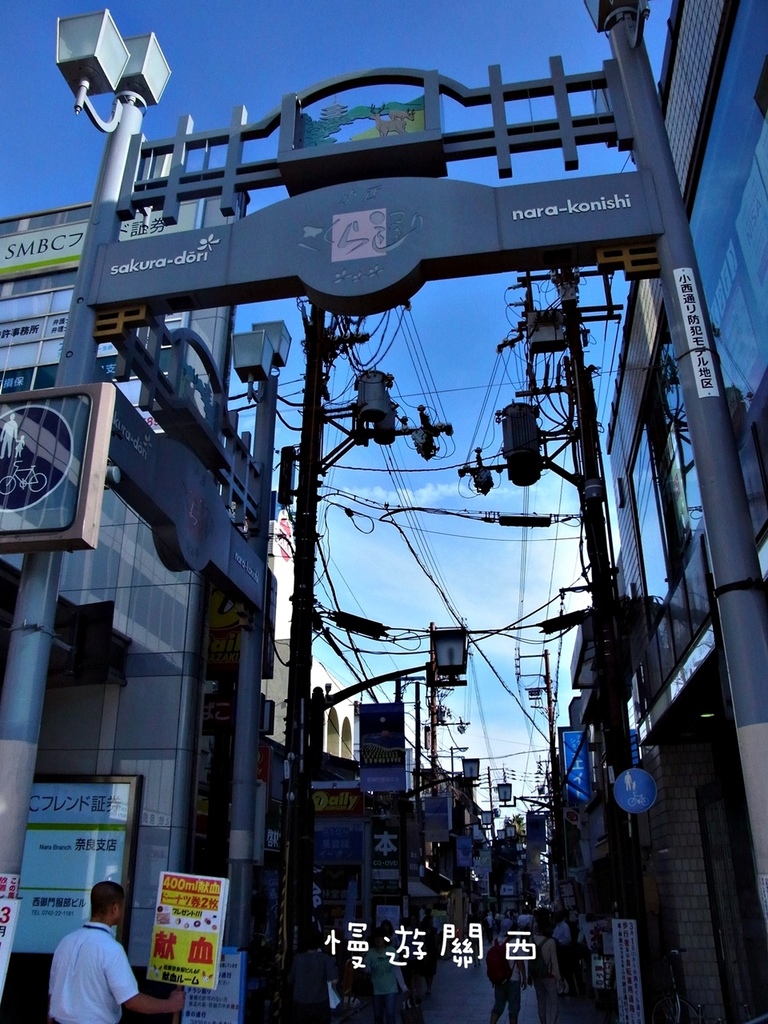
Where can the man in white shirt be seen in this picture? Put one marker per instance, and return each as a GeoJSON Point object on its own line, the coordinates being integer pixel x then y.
{"type": "Point", "coordinates": [91, 980]}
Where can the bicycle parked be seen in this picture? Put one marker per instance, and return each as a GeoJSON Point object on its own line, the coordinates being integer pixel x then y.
{"type": "Point", "coordinates": [672, 1008]}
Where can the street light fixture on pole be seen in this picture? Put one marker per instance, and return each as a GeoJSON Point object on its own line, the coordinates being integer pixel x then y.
{"type": "Point", "coordinates": [94, 59]}
{"type": "Point", "coordinates": [461, 750]}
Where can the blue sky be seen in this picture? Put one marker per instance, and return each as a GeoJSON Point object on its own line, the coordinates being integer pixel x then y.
{"type": "Point", "coordinates": [249, 53]}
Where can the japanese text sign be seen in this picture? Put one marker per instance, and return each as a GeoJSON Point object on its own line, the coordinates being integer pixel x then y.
{"type": "Point", "coordinates": [697, 341]}
{"type": "Point", "coordinates": [186, 937]}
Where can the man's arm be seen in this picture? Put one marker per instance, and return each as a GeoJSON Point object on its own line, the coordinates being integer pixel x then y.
{"type": "Point", "coordinates": [143, 1003]}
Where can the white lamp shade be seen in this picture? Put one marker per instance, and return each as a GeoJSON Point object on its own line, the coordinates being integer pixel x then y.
{"type": "Point", "coordinates": [89, 46]}
{"type": "Point", "coordinates": [147, 71]}
{"type": "Point", "coordinates": [450, 649]}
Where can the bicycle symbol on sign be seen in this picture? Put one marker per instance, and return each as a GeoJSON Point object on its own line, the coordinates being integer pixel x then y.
{"type": "Point", "coordinates": [638, 800]}
{"type": "Point", "coordinates": [27, 479]}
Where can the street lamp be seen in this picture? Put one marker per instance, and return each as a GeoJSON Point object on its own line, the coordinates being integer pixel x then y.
{"type": "Point", "coordinates": [92, 57]}
{"type": "Point", "coordinates": [449, 650]}
{"type": "Point", "coordinates": [504, 790]}
{"type": "Point", "coordinates": [461, 750]}
{"type": "Point", "coordinates": [470, 768]}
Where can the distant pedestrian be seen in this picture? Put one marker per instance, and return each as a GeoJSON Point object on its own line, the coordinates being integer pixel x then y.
{"type": "Point", "coordinates": [543, 971]}
{"type": "Point", "coordinates": [508, 978]}
{"type": "Point", "coordinates": [310, 973]}
{"type": "Point", "coordinates": [91, 979]}
{"type": "Point", "coordinates": [567, 954]}
{"type": "Point", "coordinates": [386, 977]}
{"type": "Point", "coordinates": [488, 926]}
{"type": "Point", "coordinates": [427, 966]}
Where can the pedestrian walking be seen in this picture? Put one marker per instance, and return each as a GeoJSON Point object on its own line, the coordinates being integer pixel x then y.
{"type": "Point", "coordinates": [310, 975]}
{"type": "Point", "coordinates": [543, 970]}
{"type": "Point", "coordinates": [508, 978]}
{"type": "Point", "coordinates": [386, 977]}
{"type": "Point", "coordinates": [91, 980]}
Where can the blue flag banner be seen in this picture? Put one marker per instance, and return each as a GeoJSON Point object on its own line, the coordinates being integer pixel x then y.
{"type": "Point", "coordinates": [382, 748]}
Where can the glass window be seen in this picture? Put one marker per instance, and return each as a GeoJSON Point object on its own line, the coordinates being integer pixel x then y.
{"type": "Point", "coordinates": [45, 377]}
{"type": "Point", "coordinates": [649, 523]}
{"type": "Point", "coordinates": [16, 380]}
{"type": "Point", "coordinates": [730, 215]}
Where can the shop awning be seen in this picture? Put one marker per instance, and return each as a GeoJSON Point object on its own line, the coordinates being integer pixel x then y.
{"type": "Point", "coordinates": [417, 889]}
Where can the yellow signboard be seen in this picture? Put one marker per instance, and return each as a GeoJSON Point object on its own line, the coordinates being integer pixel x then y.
{"type": "Point", "coordinates": [188, 930]}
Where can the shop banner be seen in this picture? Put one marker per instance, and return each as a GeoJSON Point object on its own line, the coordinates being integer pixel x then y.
{"type": "Point", "coordinates": [437, 819]}
{"type": "Point", "coordinates": [188, 929]}
{"type": "Point", "coordinates": [536, 841]}
{"type": "Point", "coordinates": [9, 918]}
{"type": "Point", "coordinates": [382, 748]}
{"type": "Point", "coordinates": [463, 851]}
{"type": "Point", "coordinates": [78, 833]}
{"type": "Point", "coordinates": [629, 984]}
{"type": "Point", "coordinates": [338, 842]}
{"type": "Point", "coordinates": [575, 761]}
{"type": "Point", "coordinates": [385, 865]}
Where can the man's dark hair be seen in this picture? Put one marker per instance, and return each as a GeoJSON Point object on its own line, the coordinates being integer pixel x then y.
{"type": "Point", "coordinates": [104, 895]}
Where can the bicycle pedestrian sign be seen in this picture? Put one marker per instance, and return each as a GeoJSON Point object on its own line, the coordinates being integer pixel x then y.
{"type": "Point", "coordinates": [54, 446]}
{"type": "Point", "coordinates": [35, 455]}
{"type": "Point", "coordinates": [635, 791]}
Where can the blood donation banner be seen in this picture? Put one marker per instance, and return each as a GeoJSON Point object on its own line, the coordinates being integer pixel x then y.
{"type": "Point", "coordinates": [188, 930]}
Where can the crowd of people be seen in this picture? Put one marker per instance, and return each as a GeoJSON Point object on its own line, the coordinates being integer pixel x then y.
{"type": "Point", "coordinates": [558, 968]}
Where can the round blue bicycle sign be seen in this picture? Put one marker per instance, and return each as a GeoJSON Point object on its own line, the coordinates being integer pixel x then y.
{"type": "Point", "coordinates": [35, 455]}
{"type": "Point", "coordinates": [635, 791]}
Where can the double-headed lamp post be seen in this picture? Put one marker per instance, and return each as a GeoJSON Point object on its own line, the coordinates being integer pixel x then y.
{"type": "Point", "coordinates": [94, 59]}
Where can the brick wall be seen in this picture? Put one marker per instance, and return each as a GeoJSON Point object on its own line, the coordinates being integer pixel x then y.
{"type": "Point", "coordinates": [675, 863]}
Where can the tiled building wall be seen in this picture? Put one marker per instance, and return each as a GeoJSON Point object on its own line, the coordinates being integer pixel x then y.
{"type": "Point", "coordinates": [676, 864]}
{"type": "Point", "coordinates": [700, 26]}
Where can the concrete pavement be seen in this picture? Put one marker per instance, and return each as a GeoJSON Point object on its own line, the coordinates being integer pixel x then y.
{"type": "Point", "coordinates": [465, 996]}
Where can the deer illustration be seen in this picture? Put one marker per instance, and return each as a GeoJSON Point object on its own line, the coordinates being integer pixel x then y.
{"type": "Point", "coordinates": [395, 124]}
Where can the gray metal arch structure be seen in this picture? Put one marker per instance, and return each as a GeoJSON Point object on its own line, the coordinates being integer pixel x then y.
{"type": "Point", "coordinates": [367, 222]}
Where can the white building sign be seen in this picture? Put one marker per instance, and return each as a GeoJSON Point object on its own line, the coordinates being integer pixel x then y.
{"type": "Point", "coordinates": [694, 318]}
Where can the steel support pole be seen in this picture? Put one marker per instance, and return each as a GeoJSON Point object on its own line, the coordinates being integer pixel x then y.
{"type": "Point", "coordinates": [32, 632]}
{"type": "Point", "coordinates": [730, 535]}
{"type": "Point", "coordinates": [243, 824]}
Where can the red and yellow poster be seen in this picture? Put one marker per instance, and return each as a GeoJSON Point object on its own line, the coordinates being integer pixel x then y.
{"type": "Point", "coordinates": [188, 929]}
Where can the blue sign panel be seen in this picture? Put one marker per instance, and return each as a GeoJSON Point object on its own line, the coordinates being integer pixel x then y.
{"type": "Point", "coordinates": [578, 784]}
{"type": "Point", "coordinates": [635, 791]}
{"type": "Point", "coordinates": [382, 748]}
{"type": "Point", "coordinates": [339, 843]}
{"type": "Point", "coordinates": [41, 451]}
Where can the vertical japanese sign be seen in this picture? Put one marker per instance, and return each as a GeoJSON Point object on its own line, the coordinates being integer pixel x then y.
{"type": "Point", "coordinates": [575, 761]}
{"type": "Point", "coordinates": [227, 1004]}
{"type": "Point", "coordinates": [464, 849]}
{"type": "Point", "coordinates": [694, 318]}
{"type": "Point", "coordinates": [189, 923]}
{"type": "Point", "coordinates": [9, 918]}
{"type": "Point", "coordinates": [536, 842]}
{"type": "Point", "coordinates": [628, 981]}
{"type": "Point", "coordinates": [382, 748]}
{"type": "Point", "coordinates": [385, 865]}
{"type": "Point", "coordinates": [78, 833]}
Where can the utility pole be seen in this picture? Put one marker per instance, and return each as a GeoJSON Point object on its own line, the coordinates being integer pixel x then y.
{"type": "Point", "coordinates": [612, 695]}
{"type": "Point", "coordinates": [557, 860]}
{"type": "Point", "coordinates": [298, 810]}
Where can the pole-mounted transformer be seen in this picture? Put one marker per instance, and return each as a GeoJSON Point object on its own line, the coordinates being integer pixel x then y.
{"type": "Point", "coordinates": [522, 443]}
{"type": "Point", "coordinates": [373, 401]}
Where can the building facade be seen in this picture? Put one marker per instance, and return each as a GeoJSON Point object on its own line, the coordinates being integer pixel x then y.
{"type": "Point", "coordinates": [700, 885]}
